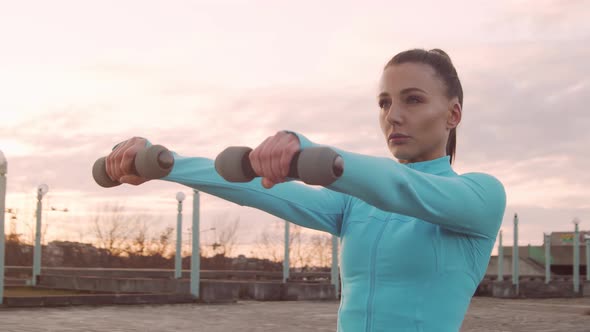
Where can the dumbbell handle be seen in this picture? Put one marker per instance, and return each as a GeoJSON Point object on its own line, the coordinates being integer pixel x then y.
{"type": "Point", "coordinates": [152, 163]}
{"type": "Point", "coordinates": [315, 165]}
{"type": "Point", "coordinates": [337, 167]}
{"type": "Point", "coordinates": [250, 173]}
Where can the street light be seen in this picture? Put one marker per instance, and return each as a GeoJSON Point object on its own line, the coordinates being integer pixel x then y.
{"type": "Point", "coordinates": [547, 243]}
{"type": "Point", "coordinates": [576, 222]}
{"type": "Point", "coordinates": [3, 171]}
{"type": "Point", "coordinates": [3, 164]}
{"type": "Point", "coordinates": [196, 254]}
{"type": "Point", "coordinates": [515, 256]}
{"type": "Point", "coordinates": [587, 241]}
{"type": "Point", "coordinates": [180, 196]}
{"type": "Point", "coordinates": [42, 190]}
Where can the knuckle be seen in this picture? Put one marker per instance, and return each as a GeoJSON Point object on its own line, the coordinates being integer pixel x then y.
{"type": "Point", "coordinates": [277, 152]}
{"type": "Point", "coordinates": [128, 155]}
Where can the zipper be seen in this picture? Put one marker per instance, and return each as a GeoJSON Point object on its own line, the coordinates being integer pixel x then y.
{"type": "Point", "coordinates": [369, 324]}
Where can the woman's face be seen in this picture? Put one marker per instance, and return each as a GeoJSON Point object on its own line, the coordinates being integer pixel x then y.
{"type": "Point", "coordinates": [414, 106]}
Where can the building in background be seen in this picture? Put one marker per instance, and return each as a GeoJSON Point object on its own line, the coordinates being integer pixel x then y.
{"type": "Point", "coordinates": [532, 258]}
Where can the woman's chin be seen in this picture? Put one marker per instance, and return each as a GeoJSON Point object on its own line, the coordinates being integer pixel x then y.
{"type": "Point", "coordinates": [399, 153]}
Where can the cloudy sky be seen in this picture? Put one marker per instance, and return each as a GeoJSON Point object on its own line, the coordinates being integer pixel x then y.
{"type": "Point", "coordinates": [197, 76]}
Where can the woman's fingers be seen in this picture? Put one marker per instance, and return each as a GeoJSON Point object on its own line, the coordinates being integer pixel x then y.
{"type": "Point", "coordinates": [120, 162]}
{"type": "Point", "coordinates": [132, 179]}
{"type": "Point", "coordinates": [291, 148]}
{"type": "Point", "coordinates": [256, 158]}
{"type": "Point", "coordinates": [271, 159]}
{"type": "Point", "coordinates": [266, 183]}
{"type": "Point", "coordinates": [281, 156]}
{"type": "Point", "coordinates": [112, 161]}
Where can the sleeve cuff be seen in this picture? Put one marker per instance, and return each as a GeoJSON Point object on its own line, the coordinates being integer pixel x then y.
{"type": "Point", "coordinates": [303, 141]}
{"type": "Point", "coordinates": [147, 143]}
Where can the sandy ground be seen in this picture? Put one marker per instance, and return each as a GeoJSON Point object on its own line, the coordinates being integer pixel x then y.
{"type": "Point", "coordinates": [485, 314]}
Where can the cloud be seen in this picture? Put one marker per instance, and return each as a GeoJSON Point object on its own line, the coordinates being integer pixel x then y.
{"type": "Point", "coordinates": [525, 116]}
{"type": "Point", "coordinates": [524, 72]}
{"type": "Point", "coordinates": [542, 20]}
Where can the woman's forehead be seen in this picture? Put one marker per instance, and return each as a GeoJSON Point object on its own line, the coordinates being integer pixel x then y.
{"type": "Point", "coordinates": [399, 77]}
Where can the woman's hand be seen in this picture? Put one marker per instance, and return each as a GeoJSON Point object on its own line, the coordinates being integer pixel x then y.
{"type": "Point", "coordinates": [120, 162]}
{"type": "Point", "coordinates": [272, 158]}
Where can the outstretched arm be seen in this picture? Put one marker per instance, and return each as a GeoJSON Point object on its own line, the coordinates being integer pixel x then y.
{"type": "Point", "coordinates": [317, 208]}
{"type": "Point", "coordinates": [472, 203]}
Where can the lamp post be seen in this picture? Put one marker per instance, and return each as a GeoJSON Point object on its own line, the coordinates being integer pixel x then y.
{"type": "Point", "coordinates": [515, 256]}
{"type": "Point", "coordinates": [335, 272]}
{"type": "Point", "coordinates": [576, 222]}
{"type": "Point", "coordinates": [196, 252]}
{"type": "Point", "coordinates": [587, 240]}
{"type": "Point", "coordinates": [178, 257]}
{"type": "Point", "coordinates": [41, 191]}
{"type": "Point", "coordinates": [286, 257]}
{"type": "Point", "coordinates": [500, 258]}
{"type": "Point", "coordinates": [547, 238]}
{"type": "Point", "coordinates": [3, 171]}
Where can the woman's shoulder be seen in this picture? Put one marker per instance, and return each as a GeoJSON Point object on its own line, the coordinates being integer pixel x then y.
{"type": "Point", "coordinates": [483, 178]}
{"type": "Point", "coordinates": [486, 185]}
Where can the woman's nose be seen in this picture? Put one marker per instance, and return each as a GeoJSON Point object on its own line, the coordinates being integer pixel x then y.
{"type": "Point", "coordinates": [394, 116]}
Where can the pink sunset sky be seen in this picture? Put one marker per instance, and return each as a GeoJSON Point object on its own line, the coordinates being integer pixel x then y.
{"type": "Point", "coordinates": [198, 76]}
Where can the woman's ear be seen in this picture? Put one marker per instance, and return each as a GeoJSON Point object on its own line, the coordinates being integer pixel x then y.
{"type": "Point", "coordinates": [454, 114]}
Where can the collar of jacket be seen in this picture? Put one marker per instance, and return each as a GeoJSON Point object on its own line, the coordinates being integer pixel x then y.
{"type": "Point", "coordinates": [435, 166]}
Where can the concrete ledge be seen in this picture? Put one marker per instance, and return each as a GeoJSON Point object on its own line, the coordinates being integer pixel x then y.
{"type": "Point", "coordinates": [96, 299]}
{"type": "Point", "coordinates": [261, 291]}
{"type": "Point", "coordinates": [115, 285]}
{"type": "Point", "coordinates": [278, 291]}
{"type": "Point", "coordinates": [210, 290]}
{"type": "Point", "coordinates": [485, 288]}
{"type": "Point", "coordinates": [241, 275]}
{"type": "Point", "coordinates": [301, 291]}
{"type": "Point", "coordinates": [215, 291]}
{"type": "Point", "coordinates": [535, 289]}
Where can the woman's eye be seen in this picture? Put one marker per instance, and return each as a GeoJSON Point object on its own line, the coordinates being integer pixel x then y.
{"type": "Point", "coordinates": [384, 104]}
{"type": "Point", "coordinates": [413, 100]}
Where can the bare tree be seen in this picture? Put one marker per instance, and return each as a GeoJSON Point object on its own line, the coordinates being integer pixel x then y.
{"type": "Point", "coordinates": [300, 248]}
{"type": "Point", "coordinates": [321, 249]}
{"type": "Point", "coordinates": [112, 228]}
{"type": "Point", "coordinates": [33, 229]}
{"type": "Point", "coordinates": [227, 236]}
{"type": "Point", "coordinates": [81, 232]}
{"type": "Point", "coordinates": [161, 244]}
{"type": "Point", "coordinates": [271, 243]}
{"type": "Point", "coordinates": [268, 245]}
{"type": "Point", "coordinates": [139, 242]}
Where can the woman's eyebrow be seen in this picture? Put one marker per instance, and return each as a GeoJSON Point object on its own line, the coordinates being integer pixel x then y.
{"type": "Point", "coordinates": [408, 90]}
{"type": "Point", "coordinates": [404, 91]}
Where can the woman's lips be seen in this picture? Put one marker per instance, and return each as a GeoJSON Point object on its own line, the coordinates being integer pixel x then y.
{"type": "Point", "coordinates": [398, 138]}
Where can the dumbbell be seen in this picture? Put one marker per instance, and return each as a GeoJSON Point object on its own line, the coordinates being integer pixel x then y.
{"type": "Point", "coordinates": [316, 165]}
{"type": "Point", "coordinates": [154, 162]}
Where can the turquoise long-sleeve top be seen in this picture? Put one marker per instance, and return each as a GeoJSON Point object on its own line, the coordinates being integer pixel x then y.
{"type": "Point", "coordinates": [415, 238]}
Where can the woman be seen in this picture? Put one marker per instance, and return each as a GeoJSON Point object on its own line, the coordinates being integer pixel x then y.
{"type": "Point", "coordinates": [415, 236]}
